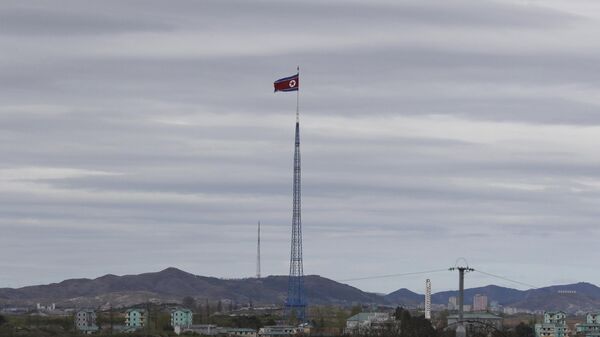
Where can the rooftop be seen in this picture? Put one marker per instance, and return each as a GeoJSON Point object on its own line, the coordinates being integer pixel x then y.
{"type": "Point", "coordinates": [476, 315]}
{"type": "Point", "coordinates": [365, 316]}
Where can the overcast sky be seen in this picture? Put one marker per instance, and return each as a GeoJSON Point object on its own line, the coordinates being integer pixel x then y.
{"type": "Point", "coordinates": [138, 135]}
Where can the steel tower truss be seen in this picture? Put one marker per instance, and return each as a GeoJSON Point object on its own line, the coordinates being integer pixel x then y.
{"type": "Point", "coordinates": [296, 298]}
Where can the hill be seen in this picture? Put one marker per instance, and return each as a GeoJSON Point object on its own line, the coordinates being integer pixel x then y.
{"type": "Point", "coordinates": [570, 297]}
{"type": "Point", "coordinates": [171, 285]}
{"type": "Point", "coordinates": [405, 297]}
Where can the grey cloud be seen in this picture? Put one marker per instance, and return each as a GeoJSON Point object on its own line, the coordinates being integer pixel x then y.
{"type": "Point", "coordinates": [25, 20]}
{"type": "Point", "coordinates": [422, 124]}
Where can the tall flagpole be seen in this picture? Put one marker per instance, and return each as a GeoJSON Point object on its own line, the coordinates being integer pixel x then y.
{"type": "Point", "coordinates": [298, 98]}
{"type": "Point", "coordinates": [296, 298]}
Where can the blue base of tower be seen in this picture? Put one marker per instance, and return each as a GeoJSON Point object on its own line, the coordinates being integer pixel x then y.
{"type": "Point", "coordinates": [296, 311]}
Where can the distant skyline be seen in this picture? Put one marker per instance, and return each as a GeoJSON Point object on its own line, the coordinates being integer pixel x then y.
{"type": "Point", "coordinates": [139, 135]}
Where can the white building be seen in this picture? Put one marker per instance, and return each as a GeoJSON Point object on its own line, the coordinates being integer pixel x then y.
{"type": "Point", "coordinates": [182, 318]}
{"type": "Point", "coordinates": [201, 329]}
{"type": "Point", "coordinates": [591, 328]}
{"type": "Point", "coordinates": [365, 321]}
{"type": "Point", "coordinates": [453, 303]}
{"type": "Point", "coordinates": [50, 307]}
{"type": "Point", "coordinates": [554, 325]}
{"type": "Point", "coordinates": [240, 332]}
{"type": "Point", "coordinates": [277, 331]}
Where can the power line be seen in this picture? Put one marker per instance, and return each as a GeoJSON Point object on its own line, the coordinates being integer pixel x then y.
{"type": "Point", "coordinates": [507, 279]}
{"type": "Point", "coordinates": [393, 275]}
{"type": "Point", "coordinates": [435, 271]}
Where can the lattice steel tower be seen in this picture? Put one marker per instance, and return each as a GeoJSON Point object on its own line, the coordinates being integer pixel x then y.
{"type": "Point", "coordinates": [296, 299]}
{"type": "Point", "coordinates": [427, 299]}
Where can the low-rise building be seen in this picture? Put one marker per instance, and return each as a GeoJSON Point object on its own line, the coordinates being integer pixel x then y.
{"type": "Point", "coordinates": [591, 327]}
{"type": "Point", "coordinates": [477, 321]}
{"type": "Point", "coordinates": [240, 332]}
{"type": "Point", "coordinates": [277, 331]}
{"type": "Point", "coordinates": [182, 318]}
{"type": "Point", "coordinates": [495, 307]}
{"type": "Point", "coordinates": [214, 330]}
{"type": "Point", "coordinates": [85, 321]}
{"type": "Point", "coordinates": [135, 319]}
{"type": "Point", "coordinates": [364, 321]}
{"type": "Point", "coordinates": [201, 329]}
{"type": "Point", "coordinates": [554, 325]}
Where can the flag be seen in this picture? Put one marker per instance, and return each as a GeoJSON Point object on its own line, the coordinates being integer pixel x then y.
{"type": "Point", "coordinates": [287, 83]}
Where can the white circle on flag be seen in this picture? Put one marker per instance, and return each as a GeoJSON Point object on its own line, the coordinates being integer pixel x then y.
{"type": "Point", "coordinates": [292, 83]}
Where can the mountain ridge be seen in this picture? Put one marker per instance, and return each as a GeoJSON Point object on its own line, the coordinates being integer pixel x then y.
{"type": "Point", "coordinates": [172, 284]}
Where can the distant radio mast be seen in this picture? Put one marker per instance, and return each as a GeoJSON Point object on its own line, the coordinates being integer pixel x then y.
{"type": "Point", "coordinates": [427, 299]}
{"type": "Point", "coordinates": [258, 253]}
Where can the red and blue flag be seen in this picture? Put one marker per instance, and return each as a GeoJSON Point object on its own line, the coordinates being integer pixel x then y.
{"type": "Point", "coordinates": [290, 83]}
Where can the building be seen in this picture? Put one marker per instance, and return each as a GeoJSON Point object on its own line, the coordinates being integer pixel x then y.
{"type": "Point", "coordinates": [427, 299]}
{"type": "Point", "coordinates": [495, 306]}
{"type": "Point", "coordinates": [85, 321]}
{"type": "Point", "coordinates": [453, 303]}
{"type": "Point", "coordinates": [554, 325]}
{"type": "Point", "coordinates": [591, 328]}
{"type": "Point", "coordinates": [41, 307]}
{"type": "Point", "coordinates": [135, 319]}
{"type": "Point", "coordinates": [365, 321]}
{"type": "Point", "coordinates": [182, 318]}
{"type": "Point", "coordinates": [480, 302]}
{"type": "Point", "coordinates": [240, 332]}
{"type": "Point", "coordinates": [510, 310]}
{"type": "Point", "coordinates": [277, 331]}
{"type": "Point", "coordinates": [201, 329]}
{"type": "Point", "coordinates": [477, 321]}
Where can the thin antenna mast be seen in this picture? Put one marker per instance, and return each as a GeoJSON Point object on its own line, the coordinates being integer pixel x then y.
{"type": "Point", "coordinates": [258, 254]}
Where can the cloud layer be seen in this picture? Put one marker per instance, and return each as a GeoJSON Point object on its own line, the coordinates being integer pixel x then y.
{"type": "Point", "coordinates": [138, 135]}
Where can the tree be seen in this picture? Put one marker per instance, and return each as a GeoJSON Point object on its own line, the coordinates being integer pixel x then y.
{"type": "Point", "coordinates": [189, 302]}
{"type": "Point", "coordinates": [441, 319]}
{"type": "Point", "coordinates": [355, 310]}
{"type": "Point", "coordinates": [446, 333]}
{"type": "Point", "coordinates": [2, 320]}
{"type": "Point", "coordinates": [400, 314]}
{"type": "Point", "coordinates": [523, 330]}
{"type": "Point", "coordinates": [411, 326]}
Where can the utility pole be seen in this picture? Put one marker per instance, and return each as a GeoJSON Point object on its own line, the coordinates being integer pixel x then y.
{"type": "Point", "coordinates": [460, 328]}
